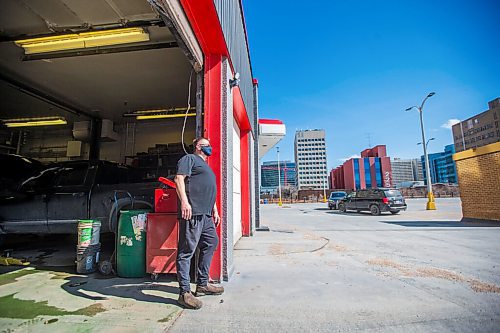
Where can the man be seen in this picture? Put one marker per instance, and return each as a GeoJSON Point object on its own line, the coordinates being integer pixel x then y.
{"type": "Point", "coordinates": [198, 217]}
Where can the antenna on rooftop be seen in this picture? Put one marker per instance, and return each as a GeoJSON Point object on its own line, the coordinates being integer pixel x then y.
{"type": "Point", "coordinates": [369, 138]}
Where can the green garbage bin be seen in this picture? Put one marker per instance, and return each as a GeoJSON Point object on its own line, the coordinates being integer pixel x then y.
{"type": "Point", "coordinates": [131, 244]}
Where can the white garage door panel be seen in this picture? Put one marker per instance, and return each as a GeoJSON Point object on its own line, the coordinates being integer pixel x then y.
{"type": "Point", "coordinates": [237, 232]}
{"type": "Point", "coordinates": [236, 181]}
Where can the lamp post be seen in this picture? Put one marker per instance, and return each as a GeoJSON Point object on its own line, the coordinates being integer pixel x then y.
{"type": "Point", "coordinates": [325, 180]}
{"type": "Point", "coordinates": [427, 143]}
{"type": "Point", "coordinates": [431, 204]}
{"type": "Point", "coordinates": [324, 190]}
{"type": "Point", "coordinates": [280, 203]}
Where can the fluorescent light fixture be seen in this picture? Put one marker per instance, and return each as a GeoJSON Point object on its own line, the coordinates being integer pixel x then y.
{"type": "Point", "coordinates": [83, 40]}
{"type": "Point", "coordinates": [161, 113]}
{"type": "Point", "coordinates": [165, 115]}
{"type": "Point", "coordinates": [29, 122]}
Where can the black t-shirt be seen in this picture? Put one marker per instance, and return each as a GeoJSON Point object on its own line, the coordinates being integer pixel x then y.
{"type": "Point", "coordinates": [200, 184]}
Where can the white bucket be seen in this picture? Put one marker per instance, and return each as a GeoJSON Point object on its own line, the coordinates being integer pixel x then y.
{"type": "Point", "coordinates": [96, 232]}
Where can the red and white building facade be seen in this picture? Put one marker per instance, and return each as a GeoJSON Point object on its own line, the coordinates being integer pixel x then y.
{"type": "Point", "coordinates": [214, 32]}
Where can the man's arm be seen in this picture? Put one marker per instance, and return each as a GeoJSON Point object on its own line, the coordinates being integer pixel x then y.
{"type": "Point", "coordinates": [216, 215]}
{"type": "Point", "coordinates": [186, 210]}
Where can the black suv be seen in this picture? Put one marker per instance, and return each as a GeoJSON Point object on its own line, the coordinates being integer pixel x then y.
{"type": "Point", "coordinates": [374, 200]}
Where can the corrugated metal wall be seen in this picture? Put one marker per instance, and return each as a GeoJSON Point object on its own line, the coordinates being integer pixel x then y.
{"type": "Point", "coordinates": [229, 12]}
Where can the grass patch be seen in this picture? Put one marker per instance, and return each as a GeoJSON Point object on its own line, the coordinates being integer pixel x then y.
{"type": "Point", "coordinates": [28, 309]}
{"type": "Point", "coordinates": [12, 276]}
{"type": "Point", "coordinates": [168, 318]}
{"type": "Point", "coordinates": [90, 310]}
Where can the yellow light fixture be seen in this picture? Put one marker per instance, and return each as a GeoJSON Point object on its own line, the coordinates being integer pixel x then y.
{"type": "Point", "coordinates": [160, 116]}
{"type": "Point", "coordinates": [161, 113]}
{"type": "Point", "coordinates": [156, 111]}
{"type": "Point", "coordinates": [83, 40]}
{"type": "Point", "coordinates": [29, 122]}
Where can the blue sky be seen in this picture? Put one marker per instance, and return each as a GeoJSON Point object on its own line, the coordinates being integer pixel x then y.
{"type": "Point", "coordinates": [353, 67]}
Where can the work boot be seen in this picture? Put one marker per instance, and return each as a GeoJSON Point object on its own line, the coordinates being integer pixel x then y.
{"type": "Point", "coordinates": [209, 289]}
{"type": "Point", "coordinates": [189, 301]}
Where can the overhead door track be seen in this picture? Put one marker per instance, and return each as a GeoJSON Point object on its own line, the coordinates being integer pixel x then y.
{"type": "Point", "coordinates": [43, 96]}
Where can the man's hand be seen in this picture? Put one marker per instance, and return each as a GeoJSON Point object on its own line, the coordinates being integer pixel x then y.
{"type": "Point", "coordinates": [186, 210]}
{"type": "Point", "coordinates": [216, 219]}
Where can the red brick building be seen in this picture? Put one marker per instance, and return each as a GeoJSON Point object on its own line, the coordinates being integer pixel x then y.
{"type": "Point", "coordinates": [372, 169]}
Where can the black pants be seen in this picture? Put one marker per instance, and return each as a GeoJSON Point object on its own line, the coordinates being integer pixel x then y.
{"type": "Point", "coordinates": [197, 232]}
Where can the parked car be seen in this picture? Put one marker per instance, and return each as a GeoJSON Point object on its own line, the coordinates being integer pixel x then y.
{"type": "Point", "coordinates": [335, 198]}
{"type": "Point", "coordinates": [53, 200]}
{"type": "Point", "coordinates": [375, 201]}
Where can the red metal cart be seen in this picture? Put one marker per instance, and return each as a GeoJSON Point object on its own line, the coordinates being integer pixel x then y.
{"type": "Point", "coordinates": [162, 232]}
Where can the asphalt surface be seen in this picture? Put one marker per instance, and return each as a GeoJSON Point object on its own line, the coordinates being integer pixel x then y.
{"type": "Point", "coordinates": [318, 270]}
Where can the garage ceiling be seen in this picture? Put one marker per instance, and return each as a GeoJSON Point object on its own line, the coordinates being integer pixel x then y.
{"type": "Point", "coordinates": [103, 85]}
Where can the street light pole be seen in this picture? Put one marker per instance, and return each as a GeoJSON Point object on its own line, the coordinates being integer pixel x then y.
{"type": "Point", "coordinates": [427, 144]}
{"type": "Point", "coordinates": [280, 203]}
{"type": "Point", "coordinates": [431, 204]}
{"type": "Point", "coordinates": [324, 190]}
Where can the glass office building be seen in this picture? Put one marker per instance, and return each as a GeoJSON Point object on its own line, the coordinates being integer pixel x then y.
{"type": "Point", "coordinates": [442, 167]}
{"type": "Point", "coordinates": [269, 175]}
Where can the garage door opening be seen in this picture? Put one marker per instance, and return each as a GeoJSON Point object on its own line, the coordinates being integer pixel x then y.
{"type": "Point", "coordinates": [124, 102]}
{"type": "Point", "coordinates": [108, 81]}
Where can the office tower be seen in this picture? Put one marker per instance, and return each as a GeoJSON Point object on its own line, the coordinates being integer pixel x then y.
{"type": "Point", "coordinates": [310, 159]}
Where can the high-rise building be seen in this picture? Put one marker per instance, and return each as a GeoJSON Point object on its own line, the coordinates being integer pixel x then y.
{"type": "Point", "coordinates": [372, 170]}
{"type": "Point", "coordinates": [442, 166]}
{"type": "Point", "coordinates": [479, 130]}
{"type": "Point", "coordinates": [310, 159]}
{"type": "Point", "coordinates": [418, 170]}
{"type": "Point", "coordinates": [269, 175]}
{"type": "Point", "coordinates": [406, 170]}
{"type": "Point", "coordinates": [402, 171]}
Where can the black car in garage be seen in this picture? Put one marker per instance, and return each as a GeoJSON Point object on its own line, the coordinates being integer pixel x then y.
{"type": "Point", "coordinates": [375, 200]}
{"type": "Point", "coordinates": [53, 200]}
{"type": "Point", "coordinates": [15, 169]}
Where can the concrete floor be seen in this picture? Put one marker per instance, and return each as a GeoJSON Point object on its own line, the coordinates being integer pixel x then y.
{"type": "Point", "coordinates": [316, 270]}
{"type": "Point", "coordinates": [50, 296]}
{"type": "Point", "coordinates": [322, 271]}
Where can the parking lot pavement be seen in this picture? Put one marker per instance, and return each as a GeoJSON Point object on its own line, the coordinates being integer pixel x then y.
{"type": "Point", "coordinates": [322, 271]}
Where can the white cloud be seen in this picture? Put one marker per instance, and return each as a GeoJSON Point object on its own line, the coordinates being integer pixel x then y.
{"type": "Point", "coordinates": [450, 123]}
{"type": "Point", "coordinates": [348, 158]}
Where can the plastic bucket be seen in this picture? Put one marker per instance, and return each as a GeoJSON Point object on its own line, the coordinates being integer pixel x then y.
{"type": "Point", "coordinates": [87, 258]}
{"type": "Point", "coordinates": [96, 232]}
{"type": "Point", "coordinates": [85, 232]}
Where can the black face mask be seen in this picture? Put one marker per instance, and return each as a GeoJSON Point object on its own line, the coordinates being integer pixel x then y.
{"type": "Point", "coordinates": [207, 150]}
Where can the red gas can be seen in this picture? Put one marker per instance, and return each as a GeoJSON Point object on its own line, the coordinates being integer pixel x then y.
{"type": "Point", "coordinates": [165, 197]}
{"type": "Point", "coordinates": [165, 200]}
{"type": "Point", "coordinates": [161, 246]}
